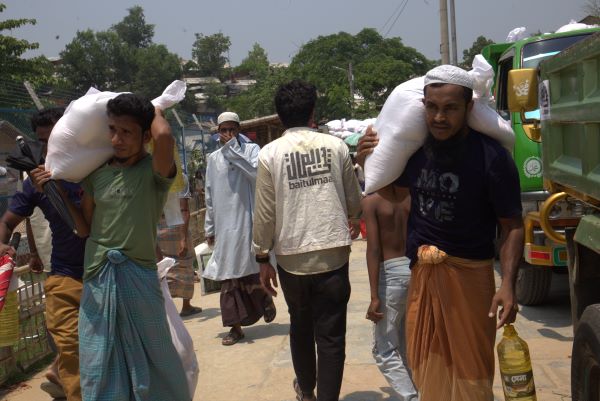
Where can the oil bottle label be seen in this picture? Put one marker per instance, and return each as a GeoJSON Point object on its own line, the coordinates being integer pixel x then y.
{"type": "Point", "coordinates": [518, 385]}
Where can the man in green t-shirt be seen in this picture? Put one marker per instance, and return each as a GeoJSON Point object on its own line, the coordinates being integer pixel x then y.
{"type": "Point", "coordinates": [126, 349]}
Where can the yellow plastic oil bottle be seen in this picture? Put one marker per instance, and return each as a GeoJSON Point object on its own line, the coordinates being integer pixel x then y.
{"type": "Point", "coordinates": [515, 367]}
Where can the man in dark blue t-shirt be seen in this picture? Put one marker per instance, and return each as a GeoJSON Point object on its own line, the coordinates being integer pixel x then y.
{"type": "Point", "coordinates": [63, 286]}
{"type": "Point", "coordinates": [462, 185]}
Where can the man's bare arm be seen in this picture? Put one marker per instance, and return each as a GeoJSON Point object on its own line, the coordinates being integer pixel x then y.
{"type": "Point", "coordinates": [163, 161]}
{"type": "Point", "coordinates": [8, 222]}
{"type": "Point", "coordinates": [511, 252]}
{"type": "Point", "coordinates": [374, 255]}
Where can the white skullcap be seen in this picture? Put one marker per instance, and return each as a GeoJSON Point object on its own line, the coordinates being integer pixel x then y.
{"type": "Point", "coordinates": [449, 74]}
{"type": "Point", "coordinates": [228, 116]}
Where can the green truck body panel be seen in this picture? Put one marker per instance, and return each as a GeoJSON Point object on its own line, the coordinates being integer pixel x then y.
{"type": "Point", "coordinates": [570, 113]}
{"type": "Point", "coordinates": [571, 122]}
{"type": "Point", "coordinates": [526, 152]}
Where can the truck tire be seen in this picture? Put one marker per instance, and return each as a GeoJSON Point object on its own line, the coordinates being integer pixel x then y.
{"type": "Point", "coordinates": [533, 284]}
{"type": "Point", "coordinates": [585, 364]}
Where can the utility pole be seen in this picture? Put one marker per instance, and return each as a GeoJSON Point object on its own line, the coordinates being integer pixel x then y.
{"type": "Point", "coordinates": [444, 48]}
{"type": "Point", "coordinates": [182, 140]}
{"type": "Point", "coordinates": [453, 33]}
{"type": "Point", "coordinates": [351, 81]}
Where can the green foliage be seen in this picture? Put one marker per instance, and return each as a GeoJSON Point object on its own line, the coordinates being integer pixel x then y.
{"type": "Point", "coordinates": [12, 66]}
{"type": "Point", "coordinates": [592, 7]}
{"type": "Point", "coordinates": [378, 64]}
{"type": "Point", "coordinates": [476, 47]}
{"type": "Point", "coordinates": [209, 54]}
{"type": "Point", "coordinates": [215, 93]}
{"type": "Point", "coordinates": [156, 68]}
{"type": "Point", "coordinates": [133, 29]}
{"type": "Point", "coordinates": [255, 65]}
{"type": "Point", "coordinates": [122, 58]}
{"type": "Point", "coordinates": [257, 101]}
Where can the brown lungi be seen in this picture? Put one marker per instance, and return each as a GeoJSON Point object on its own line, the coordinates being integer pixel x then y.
{"type": "Point", "coordinates": [243, 300]}
{"type": "Point", "coordinates": [450, 338]}
{"type": "Point", "coordinates": [180, 277]}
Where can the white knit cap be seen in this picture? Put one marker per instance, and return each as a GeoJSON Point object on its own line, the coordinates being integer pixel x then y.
{"type": "Point", "coordinates": [449, 74]}
{"type": "Point", "coordinates": [228, 116]}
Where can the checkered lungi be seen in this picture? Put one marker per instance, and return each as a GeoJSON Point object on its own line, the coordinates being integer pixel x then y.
{"type": "Point", "coordinates": [180, 277]}
{"type": "Point", "coordinates": [125, 347]}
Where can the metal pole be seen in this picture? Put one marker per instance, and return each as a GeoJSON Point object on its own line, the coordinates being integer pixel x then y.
{"type": "Point", "coordinates": [351, 82]}
{"type": "Point", "coordinates": [444, 50]}
{"type": "Point", "coordinates": [32, 94]}
{"type": "Point", "coordinates": [184, 157]}
{"type": "Point", "coordinates": [453, 33]}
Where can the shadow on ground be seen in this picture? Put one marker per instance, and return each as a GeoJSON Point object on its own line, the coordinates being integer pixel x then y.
{"type": "Point", "coordinates": [206, 314]}
{"type": "Point", "coordinates": [371, 395]}
{"type": "Point", "coordinates": [260, 331]}
{"type": "Point", "coordinates": [555, 312]}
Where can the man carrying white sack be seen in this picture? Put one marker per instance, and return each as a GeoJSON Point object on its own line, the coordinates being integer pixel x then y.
{"type": "Point", "coordinates": [462, 184]}
{"type": "Point", "coordinates": [230, 185]}
{"type": "Point", "coordinates": [126, 349]}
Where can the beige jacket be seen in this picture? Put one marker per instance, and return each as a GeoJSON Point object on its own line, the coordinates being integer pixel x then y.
{"type": "Point", "coordinates": [306, 190]}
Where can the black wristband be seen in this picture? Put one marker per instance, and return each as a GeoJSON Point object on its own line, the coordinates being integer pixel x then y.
{"type": "Point", "coordinates": [262, 258]}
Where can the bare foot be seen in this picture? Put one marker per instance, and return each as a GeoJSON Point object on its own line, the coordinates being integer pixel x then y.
{"type": "Point", "coordinates": [52, 373]}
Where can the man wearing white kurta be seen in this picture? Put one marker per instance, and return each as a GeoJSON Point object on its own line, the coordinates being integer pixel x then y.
{"type": "Point", "coordinates": [230, 184]}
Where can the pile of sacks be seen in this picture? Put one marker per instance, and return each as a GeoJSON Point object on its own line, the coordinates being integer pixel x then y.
{"type": "Point", "coordinates": [402, 129]}
{"type": "Point", "coordinates": [345, 128]}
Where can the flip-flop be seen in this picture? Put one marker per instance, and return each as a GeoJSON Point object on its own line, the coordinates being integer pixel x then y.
{"type": "Point", "coordinates": [53, 389]}
{"type": "Point", "coordinates": [193, 311]}
{"type": "Point", "coordinates": [270, 312]}
{"type": "Point", "coordinates": [232, 337]}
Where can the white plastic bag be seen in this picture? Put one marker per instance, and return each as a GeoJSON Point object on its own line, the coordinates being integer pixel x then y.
{"type": "Point", "coordinates": [80, 142]}
{"type": "Point", "coordinates": [180, 336]}
{"type": "Point", "coordinates": [516, 34]}
{"type": "Point", "coordinates": [573, 26]}
{"type": "Point", "coordinates": [402, 130]}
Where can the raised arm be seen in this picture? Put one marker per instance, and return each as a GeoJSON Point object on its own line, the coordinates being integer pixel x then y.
{"type": "Point", "coordinates": [163, 161]}
{"type": "Point", "coordinates": [244, 159]}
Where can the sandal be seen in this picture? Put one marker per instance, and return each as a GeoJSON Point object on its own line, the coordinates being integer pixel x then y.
{"type": "Point", "coordinates": [299, 394]}
{"type": "Point", "coordinates": [194, 310]}
{"type": "Point", "coordinates": [270, 312]}
{"type": "Point", "coordinates": [232, 337]}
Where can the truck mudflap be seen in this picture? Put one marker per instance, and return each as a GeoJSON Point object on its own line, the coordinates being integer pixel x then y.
{"type": "Point", "coordinates": [587, 233]}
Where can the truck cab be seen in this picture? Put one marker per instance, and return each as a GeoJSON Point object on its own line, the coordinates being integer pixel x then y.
{"type": "Point", "coordinates": [542, 255]}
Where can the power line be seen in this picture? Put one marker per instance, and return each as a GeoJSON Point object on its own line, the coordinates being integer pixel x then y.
{"type": "Point", "coordinates": [398, 16]}
{"type": "Point", "coordinates": [391, 16]}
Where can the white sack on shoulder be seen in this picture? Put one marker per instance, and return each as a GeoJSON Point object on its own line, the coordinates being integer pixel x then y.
{"type": "Point", "coordinates": [402, 129]}
{"type": "Point", "coordinates": [180, 336]}
{"type": "Point", "coordinates": [80, 142]}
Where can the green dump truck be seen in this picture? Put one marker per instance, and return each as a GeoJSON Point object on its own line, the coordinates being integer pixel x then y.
{"type": "Point", "coordinates": [542, 256]}
{"type": "Point", "coordinates": [566, 88]}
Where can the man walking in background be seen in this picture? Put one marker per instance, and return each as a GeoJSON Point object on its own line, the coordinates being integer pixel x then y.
{"type": "Point", "coordinates": [230, 185]}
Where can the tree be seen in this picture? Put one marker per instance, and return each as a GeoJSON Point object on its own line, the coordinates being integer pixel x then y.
{"type": "Point", "coordinates": [592, 7]}
{"type": "Point", "coordinates": [378, 65]}
{"type": "Point", "coordinates": [133, 29]}
{"type": "Point", "coordinates": [476, 47]}
{"type": "Point", "coordinates": [258, 101]}
{"type": "Point", "coordinates": [12, 66]}
{"type": "Point", "coordinates": [120, 59]}
{"type": "Point", "coordinates": [98, 59]}
{"type": "Point", "coordinates": [255, 65]}
{"type": "Point", "coordinates": [156, 68]}
{"type": "Point", "coordinates": [208, 52]}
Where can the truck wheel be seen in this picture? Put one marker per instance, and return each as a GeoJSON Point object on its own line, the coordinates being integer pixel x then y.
{"type": "Point", "coordinates": [533, 284]}
{"type": "Point", "coordinates": [585, 365]}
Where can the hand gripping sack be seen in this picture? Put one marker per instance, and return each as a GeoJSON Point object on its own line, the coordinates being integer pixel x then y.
{"type": "Point", "coordinates": [80, 142]}
{"type": "Point", "coordinates": [402, 130]}
{"type": "Point", "coordinates": [180, 336]}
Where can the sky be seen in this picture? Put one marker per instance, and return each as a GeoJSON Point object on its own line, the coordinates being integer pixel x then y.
{"type": "Point", "coordinates": [282, 26]}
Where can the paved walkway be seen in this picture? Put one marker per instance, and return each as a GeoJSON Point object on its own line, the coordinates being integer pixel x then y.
{"type": "Point", "coordinates": [260, 367]}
